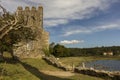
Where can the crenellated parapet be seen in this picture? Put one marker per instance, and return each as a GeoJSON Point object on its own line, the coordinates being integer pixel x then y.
{"type": "Point", "coordinates": [32, 17]}
{"type": "Point", "coordinates": [32, 9]}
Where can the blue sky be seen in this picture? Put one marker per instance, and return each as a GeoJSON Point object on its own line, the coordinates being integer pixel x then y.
{"type": "Point", "coordinates": [77, 23]}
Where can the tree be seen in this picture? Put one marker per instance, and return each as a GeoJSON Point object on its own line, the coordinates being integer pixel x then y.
{"type": "Point", "coordinates": [60, 51]}
{"type": "Point", "coordinates": [51, 47]}
{"type": "Point", "coordinates": [12, 31]}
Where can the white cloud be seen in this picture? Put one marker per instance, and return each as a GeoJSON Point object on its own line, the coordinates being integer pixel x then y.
{"type": "Point", "coordinates": [55, 22]}
{"type": "Point", "coordinates": [71, 42]}
{"type": "Point", "coordinates": [62, 10]}
{"type": "Point", "coordinates": [93, 29]}
{"type": "Point", "coordinates": [77, 31]}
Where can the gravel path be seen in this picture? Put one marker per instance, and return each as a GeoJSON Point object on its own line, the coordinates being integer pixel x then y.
{"type": "Point", "coordinates": [59, 73]}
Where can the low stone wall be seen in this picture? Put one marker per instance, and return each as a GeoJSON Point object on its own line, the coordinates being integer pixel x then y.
{"type": "Point", "coordinates": [53, 61]}
{"type": "Point", "coordinates": [88, 71]}
{"type": "Point", "coordinates": [99, 73]}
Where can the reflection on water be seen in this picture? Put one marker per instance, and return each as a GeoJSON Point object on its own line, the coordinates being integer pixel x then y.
{"type": "Point", "coordinates": [108, 65]}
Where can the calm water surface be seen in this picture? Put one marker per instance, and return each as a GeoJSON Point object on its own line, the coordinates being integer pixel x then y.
{"type": "Point", "coordinates": [108, 65]}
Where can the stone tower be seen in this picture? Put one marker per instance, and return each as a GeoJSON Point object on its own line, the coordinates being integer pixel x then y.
{"type": "Point", "coordinates": [32, 18]}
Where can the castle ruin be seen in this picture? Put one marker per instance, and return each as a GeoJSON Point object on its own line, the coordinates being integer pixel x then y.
{"type": "Point", "coordinates": [32, 18]}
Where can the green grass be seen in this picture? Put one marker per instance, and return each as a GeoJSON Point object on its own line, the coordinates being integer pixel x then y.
{"type": "Point", "coordinates": [26, 69]}
{"type": "Point", "coordinates": [30, 69]}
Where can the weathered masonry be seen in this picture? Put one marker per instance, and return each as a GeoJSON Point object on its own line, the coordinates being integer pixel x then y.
{"type": "Point", "coordinates": [32, 18]}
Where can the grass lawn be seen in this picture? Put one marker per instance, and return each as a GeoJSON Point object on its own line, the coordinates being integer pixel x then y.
{"type": "Point", "coordinates": [33, 69]}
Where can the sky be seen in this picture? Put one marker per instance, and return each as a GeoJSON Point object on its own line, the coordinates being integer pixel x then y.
{"type": "Point", "coordinates": [77, 23]}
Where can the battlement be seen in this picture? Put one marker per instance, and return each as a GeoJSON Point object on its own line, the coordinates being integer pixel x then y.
{"type": "Point", "coordinates": [33, 8]}
{"type": "Point", "coordinates": [27, 8]}
{"type": "Point", "coordinates": [31, 16]}
{"type": "Point", "coordinates": [20, 8]}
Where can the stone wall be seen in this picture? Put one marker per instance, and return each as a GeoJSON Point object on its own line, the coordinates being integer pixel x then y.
{"type": "Point", "coordinates": [32, 18]}
{"type": "Point", "coordinates": [55, 62]}
{"type": "Point", "coordinates": [107, 75]}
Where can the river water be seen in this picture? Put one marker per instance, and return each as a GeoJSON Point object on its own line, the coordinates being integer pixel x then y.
{"type": "Point", "coordinates": [108, 65]}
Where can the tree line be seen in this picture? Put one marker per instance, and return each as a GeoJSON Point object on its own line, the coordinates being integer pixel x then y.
{"type": "Point", "coordinates": [59, 50]}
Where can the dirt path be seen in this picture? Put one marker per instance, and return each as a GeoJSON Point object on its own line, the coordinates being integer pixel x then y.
{"type": "Point", "coordinates": [59, 73]}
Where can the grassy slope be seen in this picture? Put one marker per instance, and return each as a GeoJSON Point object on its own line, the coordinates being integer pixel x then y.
{"type": "Point", "coordinates": [30, 69]}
